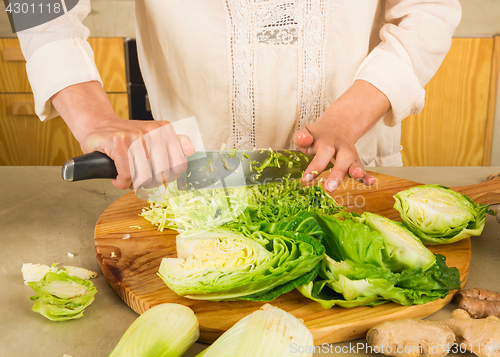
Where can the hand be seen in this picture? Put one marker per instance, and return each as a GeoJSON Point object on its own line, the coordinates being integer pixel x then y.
{"type": "Point", "coordinates": [333, 136]}
{"type": "Point", "coordinates": [331, 143]}
{"type": "Point", "coordinates": [146, 153]}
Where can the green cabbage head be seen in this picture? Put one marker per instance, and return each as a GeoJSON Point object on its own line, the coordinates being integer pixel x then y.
{"type": "Point", "coordinates": [222, 264]}
{"type": "Point", "coordinates": [439, 215]}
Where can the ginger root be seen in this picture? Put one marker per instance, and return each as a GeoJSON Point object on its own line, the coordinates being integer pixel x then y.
{"type": "Point", "coordinates": [479, 302]}
{"type": "Point", "coordinates": [479, 336]}
{"type": "Point", "coordinates": [413, 338]}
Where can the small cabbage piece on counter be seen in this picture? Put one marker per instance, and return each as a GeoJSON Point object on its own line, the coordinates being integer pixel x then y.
{"type": "Point", "coordinates": [371, 260]}
{"type": "Point", "coordinates": [35, 272]}
{"type": "Point", "coordinates": [222, 264]}
{"type": "Point", "coordinates": [165, 330]}
{"type": "Point", "coordinates": [266, 332]}
{"type": "Point", "coordinates": [439, 215]}
{"type": "Point", "coordinates": [61, 297]}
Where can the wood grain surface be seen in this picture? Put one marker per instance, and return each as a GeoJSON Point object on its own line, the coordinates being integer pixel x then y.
{"type": "Point", "coordinates": [129, 251]}
{"type": "Point", "coordinates": [452, 129]}
{"type": "Point", "coordinates": [13, 77]}
{"type": "Point", "coordinates": [492, 102]}
{"type": "Point", "coordinates": [109, 58]}
{"type": "Point", "coordinates": [26, 141]}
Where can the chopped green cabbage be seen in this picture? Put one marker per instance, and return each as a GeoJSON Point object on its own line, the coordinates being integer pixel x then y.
{"type": "Point", "coordinates": [439, 215]}
{"type": "Point", "coordinates": [62, 297]}
{"type": "Point", "coordinates": [248, 205]}
{"type": "Point", "coordinates": [191, 209]}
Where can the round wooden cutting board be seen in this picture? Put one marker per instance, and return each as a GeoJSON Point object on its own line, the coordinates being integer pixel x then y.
{"type": "Point", "coordinates": [129, 250]}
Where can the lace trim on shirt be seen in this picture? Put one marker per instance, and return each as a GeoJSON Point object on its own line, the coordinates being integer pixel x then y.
{"type": "Point", "coordinates": [277, 24]}
{"type": "Point", "coordinates": [240, 23]}
{"type": "Point", "coordinates": [264, 22]}
{"type": "Point", "coordinates": [312, 60]}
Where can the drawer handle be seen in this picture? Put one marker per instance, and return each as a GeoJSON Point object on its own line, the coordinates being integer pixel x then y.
{"type": "Point", "coordinates": [13, 54]}
{"type": "Point", "coordinates": [22, 108]}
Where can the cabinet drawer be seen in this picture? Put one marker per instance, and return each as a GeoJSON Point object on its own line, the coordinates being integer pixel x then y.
{"type": "Point", "coordinates": [108, 54]}
{"type": "Point", "coordinates": [25, 140]}
{"type": "Point", "coordinates": [13, 76]}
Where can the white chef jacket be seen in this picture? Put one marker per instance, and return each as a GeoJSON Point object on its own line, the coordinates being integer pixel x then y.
{"type": "Point", "coordinates": [254, 71]}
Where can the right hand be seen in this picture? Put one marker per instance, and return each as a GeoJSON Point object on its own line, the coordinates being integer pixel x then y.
{"type": "Point", "coordinates": [145, 152]}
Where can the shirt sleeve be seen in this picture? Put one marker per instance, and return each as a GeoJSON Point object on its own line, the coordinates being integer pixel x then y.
{"type": "Point", "coordinates": [415, 38]}
{"type": "Point", "coordinates": [57, 56]}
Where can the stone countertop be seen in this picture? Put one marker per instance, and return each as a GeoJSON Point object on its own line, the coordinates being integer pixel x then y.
{"type": "Point", "coordinates": [43, 218]}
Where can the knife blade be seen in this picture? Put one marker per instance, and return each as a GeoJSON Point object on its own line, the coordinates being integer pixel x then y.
{"type": "Point", "coordinates": [207, 169]}
{"type": "Point", "coordinates": [217, 169]}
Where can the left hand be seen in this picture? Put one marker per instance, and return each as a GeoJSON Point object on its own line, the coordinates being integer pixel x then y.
{"type": "Point", "coordinates": [333, 136]}
{"type": "Point", "coordinates": [331, 143]}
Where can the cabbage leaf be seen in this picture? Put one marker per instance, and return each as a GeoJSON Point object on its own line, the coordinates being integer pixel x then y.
{"type": "Point", "coordinates": [364, 266]}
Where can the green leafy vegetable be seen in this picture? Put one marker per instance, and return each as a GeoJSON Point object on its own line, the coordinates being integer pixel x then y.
{"type": "Point", "coordinates": [62, 297]}
{"type": "Point", "coordinates": [369, 264]}
{"type": "Point", "coordinates": [166, 330]}
{"type": "Point", "coordinates": [303, 222]}
{"type": "Point", "coordinates": [402, 249]}
{"type": "Point", "coordinates": [223, 264]}
{"type": "Point", "coordinates": [248, 205]}
{"type": "Point", "coordinates": [439, 215]}
{"type": "Point", "coordinates": [191, 209]}
{"type": "Point", "coordinates": [266, 332]}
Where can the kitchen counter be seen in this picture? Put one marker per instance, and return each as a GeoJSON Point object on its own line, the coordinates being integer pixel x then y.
{"type": "Point", "coordinates": [43, 218]}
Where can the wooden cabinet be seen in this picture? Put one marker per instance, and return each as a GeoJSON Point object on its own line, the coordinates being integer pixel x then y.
{"type": "Point", "coordinates": [13, 78]}
{"type": "Point", "coordinates": [455, 128]}
{"type": "Point", "coordinates": [24, 139]}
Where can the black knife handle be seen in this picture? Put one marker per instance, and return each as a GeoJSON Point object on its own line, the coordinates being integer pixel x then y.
{"type": "Point", "coordinates": [94, 165]}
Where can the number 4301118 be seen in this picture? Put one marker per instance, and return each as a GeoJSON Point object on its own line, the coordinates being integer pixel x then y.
{"type": "Point", "coordinates": [32, 8]}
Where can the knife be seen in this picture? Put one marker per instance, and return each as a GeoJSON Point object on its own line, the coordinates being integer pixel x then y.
{"type": "Point", "coordinates": [207, 169]}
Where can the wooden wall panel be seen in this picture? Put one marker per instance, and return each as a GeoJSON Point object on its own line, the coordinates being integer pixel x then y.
{"type": "Point", "coordinates": [451, 129]}
{"type": "Point", "coordinates": [26, 141]}
{"type": "Point", "coordinates": [492, 102]}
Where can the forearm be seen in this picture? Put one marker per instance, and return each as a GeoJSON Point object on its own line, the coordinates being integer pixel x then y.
{"type": "Point", "coordinates": [83, 107]}
{"type": "Point", "coordinates": [86, 109]}
{"type": "Point", "coordinates": [358, 109]}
